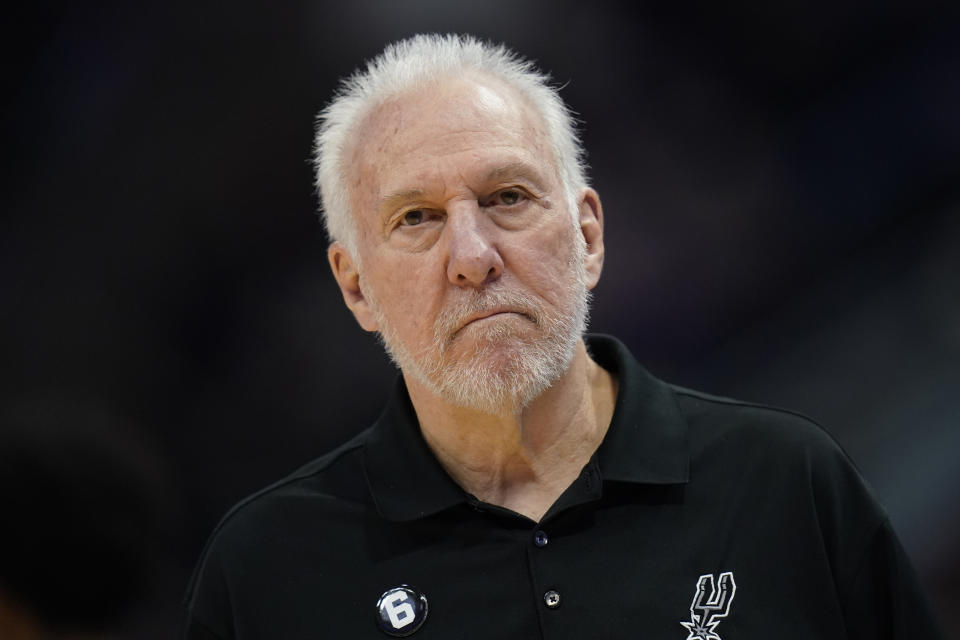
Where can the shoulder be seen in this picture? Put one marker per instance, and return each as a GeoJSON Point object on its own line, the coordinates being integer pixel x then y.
{"type": "Point", "coordinates": [778, 452]}
{"type": "Point", "coordinates": [782, 482]}
{"type": "Point", "coordinates": [303, 501]}
{"type": "Point", "coordinates": [714, 421]}
{"type": "Point", "coordinates": [334, 480]}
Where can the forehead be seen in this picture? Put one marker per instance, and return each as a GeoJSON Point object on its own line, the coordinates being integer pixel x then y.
{"type": "Point", "coordinates": [453, 125]}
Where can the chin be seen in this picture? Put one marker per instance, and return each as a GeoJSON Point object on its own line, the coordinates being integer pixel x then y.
{"type": "Point", "coordinates": [501, 377]}
{"type": "Point", "coordinates": [497, 365]}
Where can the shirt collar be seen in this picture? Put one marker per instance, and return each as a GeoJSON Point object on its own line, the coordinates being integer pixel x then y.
{"type": "Point", "coordinates": [647, 439]}
{"type": "Point", "coordinates": [646, 442]}
{"type": "Point", "coordinates": [405, 478]}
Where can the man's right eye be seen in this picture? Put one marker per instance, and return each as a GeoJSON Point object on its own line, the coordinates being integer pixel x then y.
{"type": "Point", "coordinates": [412, 218]}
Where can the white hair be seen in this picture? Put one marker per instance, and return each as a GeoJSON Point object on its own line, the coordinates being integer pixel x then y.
{"type": "Point", "coordinates": [411, 63]}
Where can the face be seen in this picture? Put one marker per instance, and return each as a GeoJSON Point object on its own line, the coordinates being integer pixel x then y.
{"type": "Point", "coordinates": [469, 263]}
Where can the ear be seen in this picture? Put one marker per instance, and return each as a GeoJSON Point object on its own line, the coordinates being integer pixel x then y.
{"type": "Point", "coordinates": [348, 278]}
{"type": "Point", "coordinates": [591, 226]}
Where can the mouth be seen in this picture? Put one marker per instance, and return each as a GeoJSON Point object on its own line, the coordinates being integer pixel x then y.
{"type": "Point", "coordinates": [487, 314]}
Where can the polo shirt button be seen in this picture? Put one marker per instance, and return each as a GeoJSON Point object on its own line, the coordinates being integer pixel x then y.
{"type": "Point", "coordinates": [540, 538]}
{"type": "Point", "coordinates": [551, 599]}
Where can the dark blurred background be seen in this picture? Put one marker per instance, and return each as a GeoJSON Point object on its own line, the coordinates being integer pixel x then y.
{"type": "Point", "coordinates": [781, 183]}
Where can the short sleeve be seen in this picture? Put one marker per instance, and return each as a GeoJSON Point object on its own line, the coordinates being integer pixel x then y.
{"type": "Point", "coordinates": [884, 600]}
{"type": "Point", "coordinates": [207, 601]}
{"type": "Point", "coordinates": [194, 630]}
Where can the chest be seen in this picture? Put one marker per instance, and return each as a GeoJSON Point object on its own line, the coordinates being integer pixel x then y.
{"type": "Point", "coordinates": [618, 569]}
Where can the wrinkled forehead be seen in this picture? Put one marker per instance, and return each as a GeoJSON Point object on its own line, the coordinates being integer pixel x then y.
{"type": "Point", "coordinates": [433, 122]}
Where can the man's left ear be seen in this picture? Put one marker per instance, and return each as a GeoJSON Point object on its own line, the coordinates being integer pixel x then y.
{"type": "Point", "coordinates": [591, 226]}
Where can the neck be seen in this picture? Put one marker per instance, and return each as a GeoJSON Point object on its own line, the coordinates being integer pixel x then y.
{"type": "Point", "coordinates": [522, 460]}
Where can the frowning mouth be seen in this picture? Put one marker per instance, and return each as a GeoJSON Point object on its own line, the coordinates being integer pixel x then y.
{"type": "Point", "coordinates": [492, 313]}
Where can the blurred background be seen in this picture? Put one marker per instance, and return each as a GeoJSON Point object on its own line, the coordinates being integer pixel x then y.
{"type": "Point", "coordinates": [781, 183]}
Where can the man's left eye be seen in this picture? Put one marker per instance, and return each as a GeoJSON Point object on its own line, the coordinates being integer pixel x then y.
{"type": "Point", "coordinates": [507, 197]}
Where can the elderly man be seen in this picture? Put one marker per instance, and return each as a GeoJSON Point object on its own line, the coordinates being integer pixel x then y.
{"type": "Point", "coordinates": [523, 482]}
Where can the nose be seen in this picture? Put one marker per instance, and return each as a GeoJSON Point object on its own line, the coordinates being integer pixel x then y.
{"type": "Point", "coordinates": [473, 256]}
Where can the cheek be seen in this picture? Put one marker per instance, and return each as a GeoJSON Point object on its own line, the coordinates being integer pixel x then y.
{"type": "Point", "coordinates": [541, 262]}
{"type": "Point", "coordinates": [405, 294]}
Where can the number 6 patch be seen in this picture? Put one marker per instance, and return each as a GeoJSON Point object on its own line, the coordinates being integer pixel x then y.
{"type": "Point", "coordinates": [401, 611]}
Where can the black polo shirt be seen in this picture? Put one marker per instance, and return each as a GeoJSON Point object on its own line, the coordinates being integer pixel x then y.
{"type": "Point", "coordinates": [698, 517]}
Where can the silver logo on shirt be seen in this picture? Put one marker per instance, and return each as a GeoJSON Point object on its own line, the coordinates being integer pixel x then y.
{"type": "Point", "coordinates": [710, 605]}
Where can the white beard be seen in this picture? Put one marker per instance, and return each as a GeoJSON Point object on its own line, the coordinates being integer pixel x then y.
{"type": "Point", "coordinates": [504, 371]}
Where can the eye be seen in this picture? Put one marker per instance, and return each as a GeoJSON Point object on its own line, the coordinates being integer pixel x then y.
{"type": "Point", "coordinates": [510, 196]}
{"type": "Point", "coordinates": [507, 198]}
{"type": "Point", "coordinates": [412, 218]}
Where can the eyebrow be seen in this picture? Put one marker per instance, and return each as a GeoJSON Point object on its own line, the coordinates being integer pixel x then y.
{"type": "Point", "coordinates": [516, 170]}
{"type": "Point", "coordinates": [511, 170]}
{"type": "Point", "coordinates": [394, 200]}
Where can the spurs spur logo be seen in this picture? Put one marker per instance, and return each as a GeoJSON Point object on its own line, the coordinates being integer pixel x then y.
{"type": "Point", "coordinates": [709, 606]}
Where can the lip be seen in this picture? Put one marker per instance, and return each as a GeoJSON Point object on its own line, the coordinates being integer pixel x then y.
{"type": "Point", "coordinates": [489, 313]}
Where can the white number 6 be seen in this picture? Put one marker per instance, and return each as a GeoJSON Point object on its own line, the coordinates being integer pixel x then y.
{"type": "Point", "coordinates": [400, 614]}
